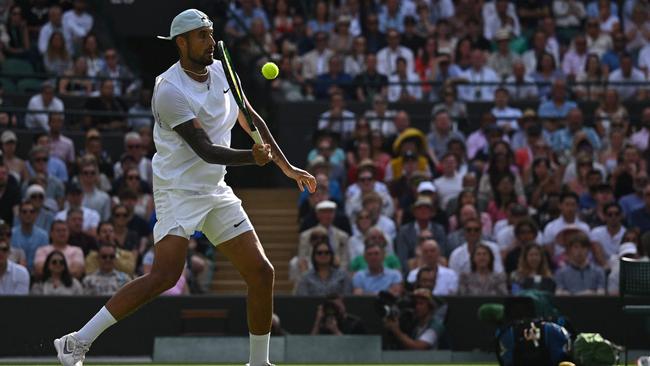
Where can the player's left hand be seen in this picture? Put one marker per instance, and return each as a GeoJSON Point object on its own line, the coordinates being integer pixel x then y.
{"type": "Point", "coordinates": [302, 178]}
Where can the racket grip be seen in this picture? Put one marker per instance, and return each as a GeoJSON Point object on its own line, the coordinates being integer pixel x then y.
{"type": "Point", "coordinates": [255, 134]}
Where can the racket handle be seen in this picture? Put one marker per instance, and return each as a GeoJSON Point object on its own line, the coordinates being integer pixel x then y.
{"type": "Point", "coordinates": [255, 134]}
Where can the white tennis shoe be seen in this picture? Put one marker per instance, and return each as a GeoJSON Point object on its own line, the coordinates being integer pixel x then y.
{"type": "Point", "coordinates": [70, 350]}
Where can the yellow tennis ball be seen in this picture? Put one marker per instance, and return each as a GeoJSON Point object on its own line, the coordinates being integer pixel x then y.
{"type": "Point", "coordinates": [566, 363]}
{"type": "Point", "coordinates": [270, 70]}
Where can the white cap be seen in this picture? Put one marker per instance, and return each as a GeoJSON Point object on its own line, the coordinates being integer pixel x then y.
{"type": "Point", "coordinates": [326, 205]}
{"type": "Point", "coordinates": [627, 248]}
{"type": "Point", "coordinates": [186, 21]}
{"type": "Point", "coordinates": [426, 186]}
{"type": "Point", "coordinates": [34, 189]}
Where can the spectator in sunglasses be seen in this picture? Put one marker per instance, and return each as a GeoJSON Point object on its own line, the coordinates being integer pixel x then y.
{"type": "Point", "coordinates": [57, 279]}
{"type": "Point", "coordinates": [324, 278]}
{"type": "Point", "coordinates": [14, 278]}
{"type": "Point", "coordinates": [59, 236]}
{"type": "Point", "coordinates": [106, 280]}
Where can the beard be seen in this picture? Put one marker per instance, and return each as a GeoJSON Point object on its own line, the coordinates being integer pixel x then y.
{"type": "Point", "coordinates": [203, 59]}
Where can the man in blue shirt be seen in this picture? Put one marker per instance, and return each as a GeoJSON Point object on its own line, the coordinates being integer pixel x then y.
{"type": "Point", "coordinates": [27, 236]}
{"type": "Point", "coordinates": [557, 107]}
{"type": "Point", "coordinates": [563, 139]}
{"type": "Point", "coordinates": [376, 278]}
{"type": "Point", "coordinates": [641, 216]}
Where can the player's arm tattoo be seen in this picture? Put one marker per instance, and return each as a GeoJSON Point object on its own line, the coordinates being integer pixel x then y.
{"type": "Point", "coordinates": [278, 156]}
{"type": "Point", "coordinates": [195, 136]}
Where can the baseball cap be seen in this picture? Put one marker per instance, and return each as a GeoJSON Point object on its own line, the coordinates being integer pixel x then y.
{"type": "Point", "coordinates": [627, 248]}
{"type": "Point", "coordinates": [34, 189]}
{"type": "Point", "coordinates": [423, 201]}
{"type": "Point", "coordinates": [424, 293]}
{"type": "Point", "coordinates": [8, 136]}
{"type": "Point", "coordinates": [426, 187]}
{"type": "Point", "coordinates": [326, 205]}
{"type": "Point", "coordinates": [186, 21]}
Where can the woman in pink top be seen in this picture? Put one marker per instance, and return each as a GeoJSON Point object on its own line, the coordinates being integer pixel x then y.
{"type": "Point", "coordinates": [59, 235]}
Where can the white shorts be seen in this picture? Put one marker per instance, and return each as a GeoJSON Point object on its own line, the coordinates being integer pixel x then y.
{"type": "Point", "coordinates": [218, 214]}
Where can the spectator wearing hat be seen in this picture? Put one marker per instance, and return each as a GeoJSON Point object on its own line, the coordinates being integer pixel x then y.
{"type": "Point", "coordinates": [39, 158]}
{"type": "Point", "coordinates": [407, 236]}
{"type": "Point", "coordinates": [337, 238]}
{"type": "Point", "coordinates": [16, 166]}
{"type": "Point", "coordinates": [507, 116]}
{"type": "Point", "coordinates": [579, 276]}
{"type": "Point", "coordinates": [60, 146]}
{"type": "Point", "coordinates": [520, 84]}
{"type": "Point", "coordinates": [409, 142]}
{"type": "Point", "coordinates": [421, 186]}
{"type": "Point", "coordinates": [44, 102]}
{"type": "Point", "coordinates": [446, 280]}
{"type": "Point", "coordinates": [74, 198]}
{"type": "Point", "coordinates": [626, 250]}
{"type": "Point", "coordinates": [307, 209]}
{"type": "Point", "coordinates": [450, 184]}
{"type": "Point", "coordinates": [73, 255]}
{"type": "Point", "coordinates": [14, 278]}
{"type": "Point", "coordinates": [27, 236]}
{"type": "Point", "coordinates": [568, 220]}
{"type": "Point", "coordinates": [460, 259]}
{"type": "Point", "coordinates": [557, 106]}
{"type": "Point", "coordinates": [43, 216]}
{"type": "Point", "coordinates": [428, 329]}
{"type": "Point", "coordinates": [366, 183]}
{"type": "Point", "coordinates": [441, 133]}
{"type": "Point", "coordinates": [478, 73]}
{"type": "Point", "coordinates": [503, 59]}
{"type": "Point", "coordinates": [93, 198]}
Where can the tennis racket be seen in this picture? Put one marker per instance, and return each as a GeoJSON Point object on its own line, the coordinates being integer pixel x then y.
{"type": "Point", "coordinates": [236, 89]}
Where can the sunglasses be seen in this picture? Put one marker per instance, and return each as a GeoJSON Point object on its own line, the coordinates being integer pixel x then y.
{"type": "Point", "coordinates": [89, 172]}
{"type": "Point", "coordinates": [472, 229]}
{"type": "Point", "coordinates": [57, 262]}
{"type": "Point", "coordinates": [107, 256]}
{"type": "Point", "coordinates": [613, 213]}
{"type": "Point", "coordinates": [323, 252]}
{"type": "Point", "coordinates": [40, 160]}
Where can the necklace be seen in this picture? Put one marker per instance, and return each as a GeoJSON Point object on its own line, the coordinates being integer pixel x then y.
{"type": "Point", "coordinates": [196, 73]}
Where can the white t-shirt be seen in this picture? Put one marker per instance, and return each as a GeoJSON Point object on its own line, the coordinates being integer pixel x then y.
{"type": "Point", "coordinates": [460, 260]}
{"type": "Point", "coordinates": [609, 243]}
{"type": "Point", "coordinates": [507, 116]}
{"type": "Point", "coordinates": [446, 281]}
{"type": "Point", "coordinates": [177, 99]}
{"type": "Point", "coordinates": [448, 188]}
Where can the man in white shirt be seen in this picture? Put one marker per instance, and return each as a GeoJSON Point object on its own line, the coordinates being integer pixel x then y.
{"type": "Point", "coordinates": [574, 61]}
{"type": "Point", "coordinates": [14, 278]}
{"type": "Point", "coordinates": [78, 21]}
{"type": "Point", "coordinates": [404, 84]}
{"type": "Point", "coordinates": [74, 199]}
{"type": "Point", "coordinates": [387, 56]}
{"type": "Point", "coordinates": [134, 147]}
{"type": "Point", "coordinates": [641, 137]}
{"type": "Point", "coordinates": [507, 117]}
{"type": "Point", "coordinates": [446, 279]}
{"type": "Point", "coordinates": [501, 18]}
{"type": "Point", "coordinates": [43, 101]}
{"type": "Point", "coordinates": [477, 74]}
{"type": "Point", "coordinates": [450, 184]}
{"type": "Point", "coordinates": [192, 133]}
{"type": "Point", "coordinates": [627, 73]}
{"type": "Point", "coordinates": [520, 85]}
{"type": "Point", "coordinates": [338, 119]}
{"type": "Point", "coordinates": [55, 24]}
{"type": "Point", "coordinates": [316, 61]}
{"type": "Point", "coordinates": [459, 260]}
{"type": "Point", "coordinates": [597, 41]}
{"type": "Point", "coordinates": [610, 235]}
{"type": "Point", "coordinates": [380, 118]}
{"type": "Point", "coordinates": [568, 219]}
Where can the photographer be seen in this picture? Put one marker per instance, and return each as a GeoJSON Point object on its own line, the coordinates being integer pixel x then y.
{"type": "Point", "coordinates": [426, 329]}
{"type": "Point", "coordinates": [332, 318]}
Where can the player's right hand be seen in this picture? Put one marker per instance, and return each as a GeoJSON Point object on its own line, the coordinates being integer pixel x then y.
{"type": "Point", "coordinates": [262, 154]}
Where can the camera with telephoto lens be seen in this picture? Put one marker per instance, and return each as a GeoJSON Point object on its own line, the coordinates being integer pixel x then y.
{"type": "Point", "coordinates": [402, 309]}
{"type": "Point", "coordinates": [330, 309]}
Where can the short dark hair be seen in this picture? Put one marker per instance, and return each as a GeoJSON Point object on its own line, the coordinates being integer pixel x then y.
{"type": "Point", "coordinates": [579, 238]}
{"type": "Point", "coordinates": [526, 223]}
{"type": "Point", "coordinates": [569, 194]}
{"type": "Point", "coordinates": [612, 204]}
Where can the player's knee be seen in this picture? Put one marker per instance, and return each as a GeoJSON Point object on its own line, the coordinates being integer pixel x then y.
{"type": "Point", "coordinates": [164, 280]}
{"type": "Point", "coordinates": [262, 276]}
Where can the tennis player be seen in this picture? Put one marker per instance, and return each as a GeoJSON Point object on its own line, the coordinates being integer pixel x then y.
{"type": "Point", "coordinates": [194, 112]}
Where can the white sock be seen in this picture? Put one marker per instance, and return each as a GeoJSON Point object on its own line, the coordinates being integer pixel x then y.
{"type": "Point", "coordinates": [259, 349]}
{"type": "Point", "coordinates": [102, 320]}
